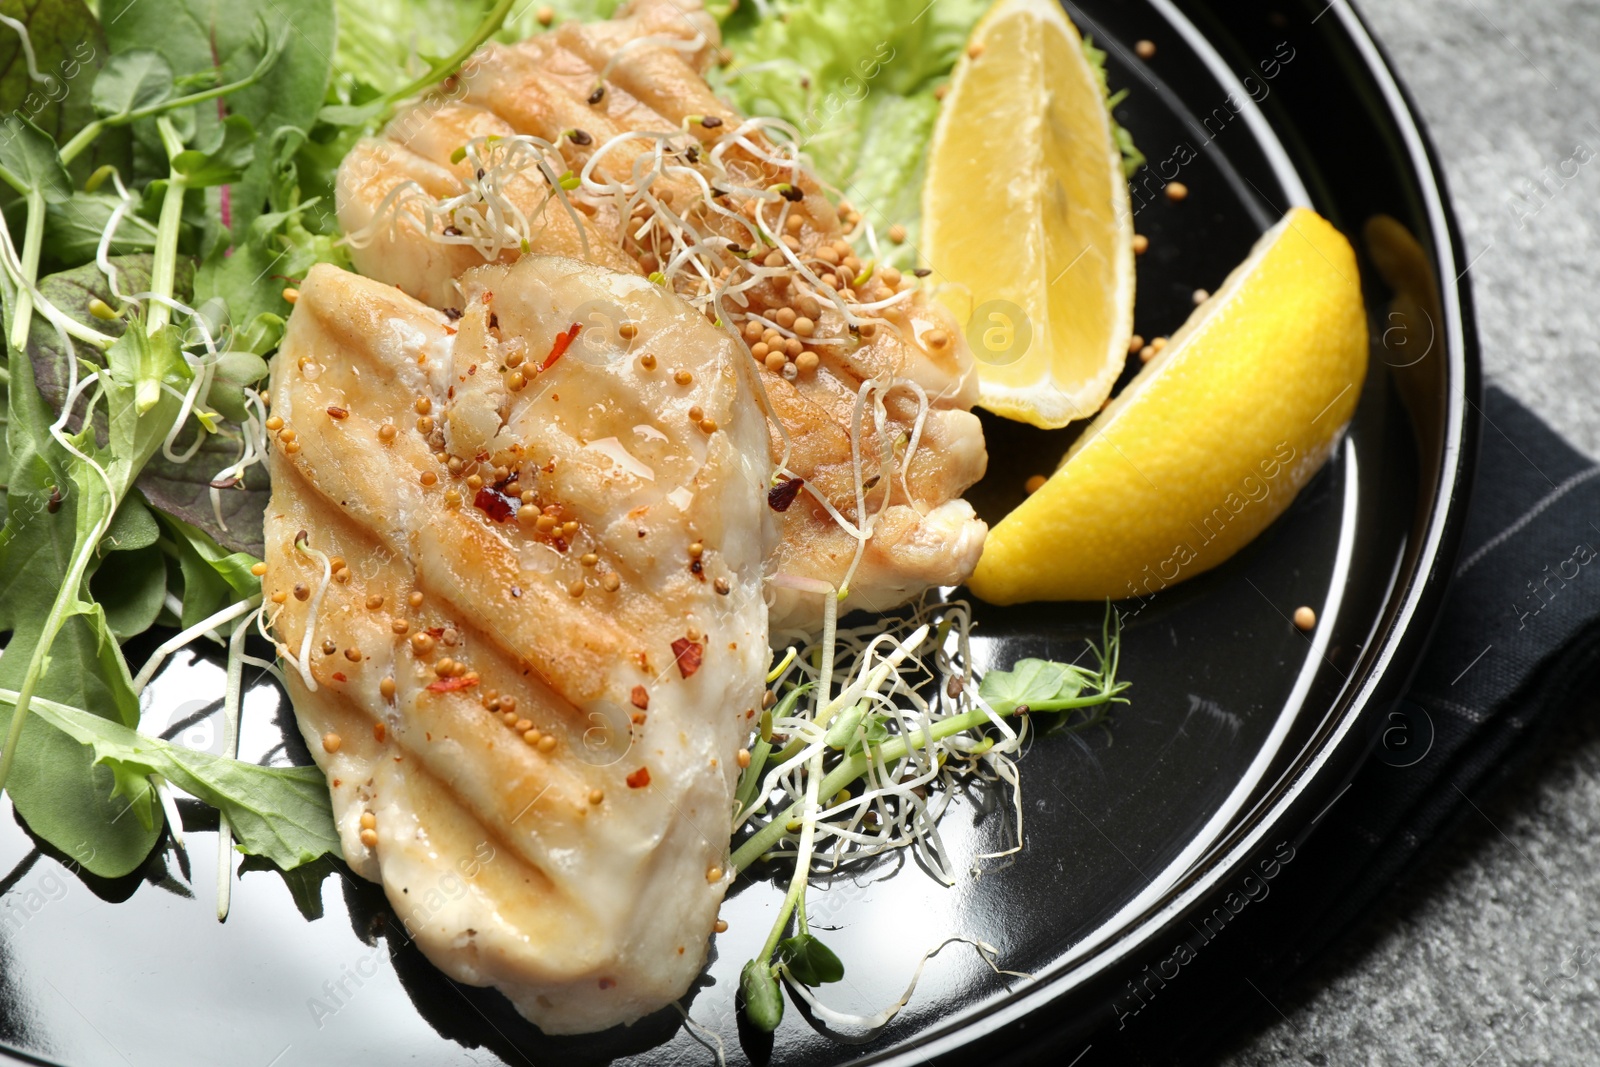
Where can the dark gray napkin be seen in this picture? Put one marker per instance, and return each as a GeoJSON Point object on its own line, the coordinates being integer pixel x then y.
{"type": "Point", "coordinates": [1518, 639]}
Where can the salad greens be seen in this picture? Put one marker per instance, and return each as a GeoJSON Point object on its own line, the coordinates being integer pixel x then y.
{"type": "Point", "coordinates": [164, 150]}
{"type": "Point", "coordinates": [277, 813]}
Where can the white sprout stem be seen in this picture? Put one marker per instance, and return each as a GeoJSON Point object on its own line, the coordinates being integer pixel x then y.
{"type": "Point", "coordinates": [268, 666]}
{"type": "Point", "coordinates": [24, 282]}
{"type": "Point", "coordinates": [253, 451]}
{"type": "Point", "coordinates": [102, 252]}
{"type": "Point", "coordinates": [169, 808]}
{"type": "Point", "coordinates": [876, 1021]}
{"type": "Point", "coordinates": [304, 663]}
{"type": "Point", "coordinates": [27, 48]}
{"type": "Point", "coordinates": [230, 748]}
{"type": "Point", "coordinates": [795, 897]}
{"type": "Point", "coordinates": [707, 1037]}
{"type": "Point", "coordinates": [688, 45]}
{"type": "Point", "coordinates": [174, 605]}
{"type": "Point", "coordinates": [183, 637]}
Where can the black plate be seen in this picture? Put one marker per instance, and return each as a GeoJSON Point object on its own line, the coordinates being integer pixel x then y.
{"type": "Point", "coordinates": [1241, 731]}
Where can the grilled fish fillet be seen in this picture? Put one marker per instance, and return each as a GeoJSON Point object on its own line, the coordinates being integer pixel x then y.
{"type": "Point", "coordinates": [543, 637]}
{"type": "Point", "coordinates": [581, 89]}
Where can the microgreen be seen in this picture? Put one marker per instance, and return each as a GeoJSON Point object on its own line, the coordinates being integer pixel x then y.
{"type": "Point", "coordinates": [909, 719]}
{"type": "Point", "coordinates": [106, 368]}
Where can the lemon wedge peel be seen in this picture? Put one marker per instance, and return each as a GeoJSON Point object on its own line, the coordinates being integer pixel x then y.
{"type": "Point", "coordinates": [1209, 444]}
{"type": "Point", "coordinates": [1027, 218]}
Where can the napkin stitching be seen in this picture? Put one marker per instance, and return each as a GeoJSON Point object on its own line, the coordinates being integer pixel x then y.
{"type": "Point", "coordinates": [1515, 528]}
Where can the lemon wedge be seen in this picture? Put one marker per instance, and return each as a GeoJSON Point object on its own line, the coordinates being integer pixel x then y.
{"type": "Point", "coordinates": [1025, 210]}
{"type": "Point", "coordinates": [1210, 442]}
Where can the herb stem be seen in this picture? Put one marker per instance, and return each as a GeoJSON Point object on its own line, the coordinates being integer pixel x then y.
{"type": "Point", "coordinates": [32, 245]}
{"type": "Point", "coordinates": [808, 824]}
{"type": "Point", "coordinates": [164, 262]}
{"type": "Point", "coordinates": [447, 66]}
{"type": "Point", "coordinates": [71, 587]}
{"type": "Point", "coordinates": [81, 140]}
{"type": "Point", "coordinates": [85, 137]}
{"type": "Point", "coordinates": [230, 748]}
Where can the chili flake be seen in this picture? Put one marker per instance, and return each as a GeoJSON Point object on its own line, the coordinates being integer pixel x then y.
{"type": "Point", "coordinates": [494, 504]}
{"type": "Point", "coordinates": [689, 655]}
{"type": "Point", "coordinates": [563, 341]}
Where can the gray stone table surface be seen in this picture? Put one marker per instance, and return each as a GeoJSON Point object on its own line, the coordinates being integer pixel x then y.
{"type": "Point", "coordinates": [1490, 954]}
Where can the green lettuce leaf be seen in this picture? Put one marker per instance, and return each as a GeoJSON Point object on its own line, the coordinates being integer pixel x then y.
{"type": "Point", "coordinates": [56, 786]}
{"type": "Point", "coordinates": [213, 577]}
{"type": "Point", "coordinates": [384, 44]}
{"type": "Point", "coordinates": [281, 814]}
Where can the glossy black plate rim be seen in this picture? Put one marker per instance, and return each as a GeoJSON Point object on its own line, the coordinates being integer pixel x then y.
{"type": "Point", "coordinates": [1060, 1006]}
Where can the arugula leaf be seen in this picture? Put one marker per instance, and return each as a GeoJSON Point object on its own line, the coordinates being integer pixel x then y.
{"type": "Point", "coordinates": [132, 591]}
{"type": "Point", "coordinates": [132, 527]}
{"type": "Point", "coordinates": [282, 814]}
{"type": "Point", "coordinates": [131, 82]}
{"type": "Point", "coordinates": [28, 160]}
{"type": "Point", "coordinates": [212, 576]}
{"type": "Point", "coordinates": [304, 881]}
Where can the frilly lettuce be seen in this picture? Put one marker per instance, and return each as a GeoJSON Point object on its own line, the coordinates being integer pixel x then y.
{"type": "Point", "coordinates": [857, 78]}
